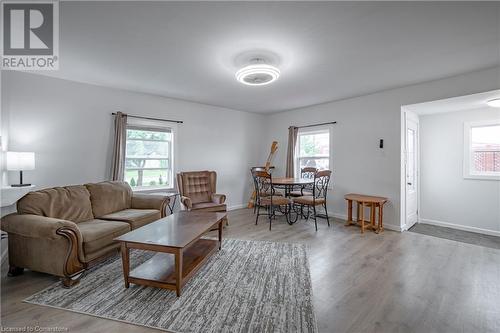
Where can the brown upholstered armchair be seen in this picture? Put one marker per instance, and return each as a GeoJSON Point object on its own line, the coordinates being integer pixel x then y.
{"type": "Point", "coordinates": [198, 191]}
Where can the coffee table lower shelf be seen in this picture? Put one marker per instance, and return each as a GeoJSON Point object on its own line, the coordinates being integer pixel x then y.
{"type": "Point", "coordinates": [160, 271]}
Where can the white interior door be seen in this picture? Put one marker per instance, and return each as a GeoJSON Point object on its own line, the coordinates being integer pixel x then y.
{"type": "Point", "coordinates": [412, 169]}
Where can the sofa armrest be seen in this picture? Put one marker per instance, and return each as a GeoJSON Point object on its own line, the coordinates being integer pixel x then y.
{"type": "Point", "coordinates": [218, 198]}
{"type": "Point", "coordinates": [41, 228]}
{"type": "Point", "coordinates": [186, 202]}
{"type": "Point", "coordinates": [151, 201]}
{"type": "Point", "coordinates": [36, 226]}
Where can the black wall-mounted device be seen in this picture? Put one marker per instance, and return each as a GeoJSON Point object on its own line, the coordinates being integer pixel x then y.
{"type": "Point", "coordinates": [381, 144]}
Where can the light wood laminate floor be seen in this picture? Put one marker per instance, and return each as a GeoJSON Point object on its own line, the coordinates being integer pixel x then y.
{"type": "Point", "coordinates": [392, 282]}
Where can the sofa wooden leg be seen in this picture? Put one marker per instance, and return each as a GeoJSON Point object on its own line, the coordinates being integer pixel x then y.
{"type": "Point", "coordinates": [15, 271]}
{"type": "Point", "coordinates": [69, 282]}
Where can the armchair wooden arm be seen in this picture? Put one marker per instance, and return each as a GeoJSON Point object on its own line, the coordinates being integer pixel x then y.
{"type": "Point", "coordinates": [186, 202]}
{"type": "Point", "coordinates": [218, 198]}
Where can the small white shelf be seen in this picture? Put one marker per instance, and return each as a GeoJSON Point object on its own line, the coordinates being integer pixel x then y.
{"type": "Point", "coordinates": [10, 195]}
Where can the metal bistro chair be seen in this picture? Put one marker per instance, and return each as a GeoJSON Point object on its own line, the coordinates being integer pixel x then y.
{"type": "Point", "coordinates": [263, 184]}
{"type": "Point", "coordinates": [266, 192]}
{"type": "Point", "coordinates": [308, 173]}
{"type": "Point", "coordinates": [318, 197]}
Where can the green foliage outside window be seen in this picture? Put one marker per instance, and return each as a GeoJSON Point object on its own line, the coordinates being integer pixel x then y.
{"type": "Point", "coordinates": [308, 147]}
{"type": "Point", "coordinates": [148, 154]}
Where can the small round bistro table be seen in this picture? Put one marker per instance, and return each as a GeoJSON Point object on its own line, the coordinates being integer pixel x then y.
{"type": "Point", "coordinates": [362, 201]}
{"type": "Point", "coordinates": [290, 183]}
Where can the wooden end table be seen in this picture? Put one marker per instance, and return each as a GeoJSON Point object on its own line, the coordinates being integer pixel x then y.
{"type": "Point", "coordinates": [173, 199]}
{"type": "Point", "coordinates": [181, 250]}
{"type": "Point", "coordinates": [362, 201]}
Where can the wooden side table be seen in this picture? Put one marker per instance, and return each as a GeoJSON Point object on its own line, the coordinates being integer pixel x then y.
{"type": "Point", "coordinates": [173, 199]}
{"type": "Point", "coordinates": [362, 201]}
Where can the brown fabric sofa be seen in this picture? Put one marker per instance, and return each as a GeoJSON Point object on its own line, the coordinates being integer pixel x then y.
{"type": "Point", "coordinates": [64, 230]}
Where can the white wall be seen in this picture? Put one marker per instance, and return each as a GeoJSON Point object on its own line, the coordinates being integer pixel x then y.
{"type": "Point", "coordinates": [4, 126]}
{"type": "Point", "coordinates": [446, 197]}
{"type": "Point", "coordinates": [69, 126]}
{"type": "Point", "coordinates": [358, 164]}
{"type": "Point", "coordinates": [4, 129]}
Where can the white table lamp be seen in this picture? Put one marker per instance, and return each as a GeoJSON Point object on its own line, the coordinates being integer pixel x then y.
{"type": "Point", "coordinates": [20, 161]}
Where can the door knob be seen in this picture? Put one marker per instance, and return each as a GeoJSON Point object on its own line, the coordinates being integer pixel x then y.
{"type": "Point", "coordinates": [408, 183]}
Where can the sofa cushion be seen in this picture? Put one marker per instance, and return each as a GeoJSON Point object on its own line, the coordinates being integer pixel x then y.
{"type": "Point", "coordinates": [98, 234]}
{"type": "Point", "coordinates": [70, 203]}
{"type": "Point", "coordinates": [109, 197]}
{"type": "Point", "coordinates": [209, 206]}
{"type": "Point", "coordinates": [135, 217]}
{"type": "Point", "coordinates": [88, 257]}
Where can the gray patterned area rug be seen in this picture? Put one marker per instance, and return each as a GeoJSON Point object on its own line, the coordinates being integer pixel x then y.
{"type": "Point", "coordinates": [248, 286]}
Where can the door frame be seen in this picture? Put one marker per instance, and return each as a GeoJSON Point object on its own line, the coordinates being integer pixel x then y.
{"type": "Point", "coordinates": [405, 115]}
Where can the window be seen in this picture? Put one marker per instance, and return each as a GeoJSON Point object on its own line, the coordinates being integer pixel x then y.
{"type": "Point", "coordinates": [148, 158]}
{"type": "Point", "coordinates": [313, 149]}
{"type": "Point", "coordinates": [482, 150]}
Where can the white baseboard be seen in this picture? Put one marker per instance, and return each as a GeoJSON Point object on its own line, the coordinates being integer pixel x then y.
{"type": "Point", "coordinates": [460, 227]}
{"type": "Point", "coordinates": [386, 226]}
{"type": "Point", "coordinates": [336, 215]}
{"type": "Point", "coordinates": [393, 227]}
{"type": "Point", "coordinates": [405, 227]}
{"type": "Point", "coordinates": [230, 208]}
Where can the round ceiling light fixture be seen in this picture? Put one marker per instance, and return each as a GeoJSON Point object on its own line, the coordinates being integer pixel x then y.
{"type": "Point", "coordinates": [494, 103]}
{"type": "Point", "coordinates": [257, 73]}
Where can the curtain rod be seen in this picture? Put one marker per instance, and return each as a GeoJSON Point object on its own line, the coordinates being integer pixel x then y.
{"type": "Point", "coordinates": [149, 118]}
{"type": "Point", "coordinates": [328, 123]}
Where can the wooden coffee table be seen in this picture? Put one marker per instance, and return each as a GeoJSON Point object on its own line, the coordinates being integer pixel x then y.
{"type": "Point", "coordinates": [181, 251]}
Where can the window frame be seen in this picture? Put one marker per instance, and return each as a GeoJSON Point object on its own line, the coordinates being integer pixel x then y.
{"type": "Point", "coordinates": [150, 125]}
{"type": "Point", "coordinates": [313, 130]}
{"type": "Point", "coordinates": [467, 157]}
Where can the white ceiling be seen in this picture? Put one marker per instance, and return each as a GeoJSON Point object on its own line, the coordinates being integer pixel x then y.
{"type": "Point", "coordinates": [325, 50]}
{"type": "Point", "coordinates": [460, 103]}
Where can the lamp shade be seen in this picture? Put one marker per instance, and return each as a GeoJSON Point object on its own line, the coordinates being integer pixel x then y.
{"type": "Point", "coordinates": [20, 161]}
